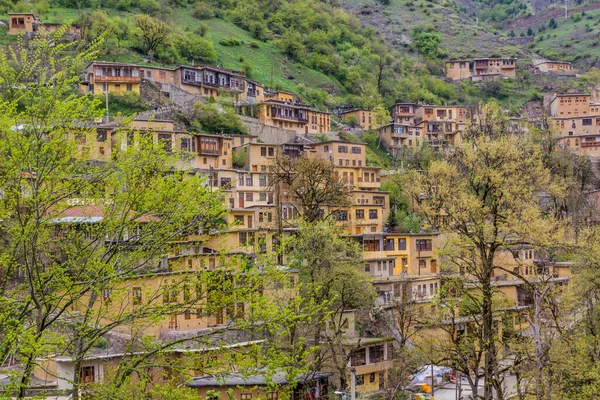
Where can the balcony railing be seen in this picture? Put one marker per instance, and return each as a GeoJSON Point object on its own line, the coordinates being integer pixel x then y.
{"type": "Point", "coordinates": [126, 79]}
{"type": "Point", "coordinates": [590, 144]}
{"type": "Point", "coordinates": [290, 118]}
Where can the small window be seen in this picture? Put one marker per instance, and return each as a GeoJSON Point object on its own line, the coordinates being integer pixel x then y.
{"type": "Point", "coordinates": [372, 214]}
{"type": "Point", "coordinates": [136, 296]}
{"type": "Point", "coordinates": [246, 396]}
{"type": "Point", "coordinates": [129, 87]}
{"type": "Point", "coordinates": [101, 136]}
{"type": "Point", "coordinates": [360, 380]}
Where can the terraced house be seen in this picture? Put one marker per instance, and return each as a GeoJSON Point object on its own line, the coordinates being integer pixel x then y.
{"type": "Point", "coordinates": [577, 116]}
{"type": "Point", "coordinates": [477, 69]}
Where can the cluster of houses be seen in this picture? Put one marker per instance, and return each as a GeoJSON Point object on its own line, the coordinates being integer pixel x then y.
{"type": "Point", "coordinates": [274, 108]}
{"type": "Point", "coordinates": [484, 69]}
{"type": "Point", "coordinates": [403, 267]}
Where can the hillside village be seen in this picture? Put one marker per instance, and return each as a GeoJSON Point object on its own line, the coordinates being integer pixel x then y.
{"type": "Point", "coordinates": [189, 296]}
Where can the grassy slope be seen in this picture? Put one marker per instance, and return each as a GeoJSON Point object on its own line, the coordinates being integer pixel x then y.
{"type": "Point", "coordinates": [572, 40]}
{"type": "Point", "coordinates": [269, 65]}
{"type": "Point", "coordinates": [460, 35]}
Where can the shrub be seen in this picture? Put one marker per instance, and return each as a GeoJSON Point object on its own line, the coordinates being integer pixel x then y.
{"type": "Point", "coordinates": [150, 7]}
{"type": "Point", "coordinates": [239, 159]}
{"type": "Point", "coordinates": [218, 119]}
{"type": "Point", "coordinates": [229, 42]}
{"type": "Point", "coordinates": [203, 10]}
{"type": "Point", "coordinates": [196, 48]}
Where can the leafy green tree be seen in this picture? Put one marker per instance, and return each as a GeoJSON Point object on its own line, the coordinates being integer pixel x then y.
{"type": "Point", "coordinates": [484, 197]}
{"type": "Point", "coordinates": [332, 278]}
{"type": "Point", "coordinates": [214, 118]}
{"type": "Point", "coordinates": [428, 43]}
{"type": "Point", "coordinates": [151, 33]}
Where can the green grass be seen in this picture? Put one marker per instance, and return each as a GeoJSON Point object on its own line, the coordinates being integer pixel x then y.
{"type": "Point", "coordinates": [461, 37]}
{"type": "Point", "coordinates": [269, 65]}
{"type": "Point", "coordinates": [571, 40]}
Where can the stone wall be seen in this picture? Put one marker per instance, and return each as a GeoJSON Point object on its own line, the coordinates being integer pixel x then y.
{"type": "Point", "coordinates": [164, 94]}
{"type": "Point", "coordinates": [266, 133]}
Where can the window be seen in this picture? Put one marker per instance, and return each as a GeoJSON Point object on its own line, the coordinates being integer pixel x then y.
{"type": "Point", "coordinates": [226, 182]}
{"type": "Point", "coordinates": [272, 396]}
{"type": "Point", "coordinates": [356, 150]}
{"type": "Point", "coordinates": [249, 196]}
{"type": "Point", "coordinates": [243, 238]}
{"type": "Point", "coordinates": [246, 396]}
{"type": "Point", "coordinates": [262, 180]}
{"type": "Point", "coordinates": [262, 196]}
{"type": "Point", "coordinates": [187, 314]}
{"type": "Point", "coordinates": [389, 244]}
{"type": "Point", "coordinates": [423, 244]}
{"type": "Point", "coordinates": [136, 296]}
{"type": "Point", "coordinates": [271, 151]}
{"type": "Point", "coordinates": [240, 179]}
{"type": "Point", "coordinates": [372, 377]}
{"type": "Point", "coordinates": [586, 122]}
{"type": "Point", "coordinates": [422, 264]}
{"type": "Point", "coordinates": [372, 214]}
{"type": "Point", "coordinates": [263, 151]}
{"type": "Point", "coordinates": [87, 374]}
{"type": "Point", "coordinates": [360, 214]}
{"type": "Point", "coordinates": [106, 295]}
{"type": "Point", "coordinates": [101, 136]}
{"type": "Point", "coordinates": [401, 244]}
{"type": "Point", "coordinates": [376, 353]}
{"type": "Point", "coordinates": [340, 215]}
{"type": "Point", "coordinates": [360, 380]}
{"type": "Point", "coordinates": [342, 149]}
{"type": "Point", "coordinates": [165, 140]}
{"type": "Point", "coordinates": [359, 357]}
{"type": "Point", "coordinates": [238, 219]}
{"type": "Point", "coordinates": [249, 179]}
{"type": "Point", "coordinates": [129, 87]}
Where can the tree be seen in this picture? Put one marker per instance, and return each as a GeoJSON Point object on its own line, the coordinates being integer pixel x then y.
{"type": "Point", "coordinates": [428, 43]}
{"type": "Point", "coordinates": [381, 116]}
{"type": "Point", "coordinates": [78, 236]}
{"type": "Point", "coordinates": [314, 183]}
{"type": "Point", "coordinates": [332, 281]}
{"type": "Point", "coordinates": [485, 197]}
{"type": "Point", "coordinates": [213, 118]}
{"type": "Point", "coordinates": [151, 33]}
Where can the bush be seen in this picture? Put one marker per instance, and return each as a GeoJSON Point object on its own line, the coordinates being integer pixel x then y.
{"type": "Point", "coordinates": [196, 48]}
{"type": "Point", "coordinates": [229, 42]}
{"type": "Point", "coordinates": [203, 10]}
{"type": "Point", "coordinates": [239, 159]}
{"type": "Point", "coordinates": [217, 119]}
{"type": "Point", "coordinates": [427, 43]}
{"type": "Point", "coordinates": [150, 7]}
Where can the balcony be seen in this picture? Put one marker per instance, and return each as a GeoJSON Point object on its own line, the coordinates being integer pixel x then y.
{"type": "Point", "coordinates": [290, 118]}
{"type": "Point", "coordinates": [590, 144]}
{"type": "Point", "coordinates": [207, 151]}
{"type": "Point", "coordinates": [118, 79]}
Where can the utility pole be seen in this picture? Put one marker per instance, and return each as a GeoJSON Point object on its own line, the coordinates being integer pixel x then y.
{"type": "Point", "coordinates": [432, 383]}
{"type": "Point", "coordinates": [106, 97]}
{"type": "Point", "coordinates": [352, 383]}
